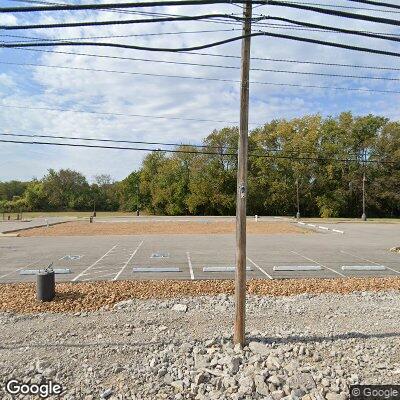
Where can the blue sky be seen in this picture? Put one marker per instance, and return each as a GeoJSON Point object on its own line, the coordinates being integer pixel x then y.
{"type": "Point", "coordinates": [29, 87]}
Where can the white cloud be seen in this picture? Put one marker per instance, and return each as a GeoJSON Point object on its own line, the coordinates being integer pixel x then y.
{"type": "Point", "coordinates": [170, 97]}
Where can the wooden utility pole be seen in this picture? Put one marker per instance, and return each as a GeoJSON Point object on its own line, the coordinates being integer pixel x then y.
{"type": "Point", "coordinates": [241, 194]}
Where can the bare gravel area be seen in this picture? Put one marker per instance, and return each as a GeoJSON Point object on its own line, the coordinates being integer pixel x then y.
{"type": "Point", "coordinates": [89, 296]}
{"type": "Point", "coordinates": [308, 346]}
{"type": "Point", "coordinates": [84, 228]}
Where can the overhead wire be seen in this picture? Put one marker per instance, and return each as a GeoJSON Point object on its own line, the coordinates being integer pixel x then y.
{"type": "Point", "coordinates": [280, 60]}
{"type": "Point", "coordinates": [205, 46]}
{"type": "Point", "coordinates": [119, 114]}
{"type": "Point", "coordinates": [121, 22]}
{"type": "Point", "coordinates": [292, 25]}
{"type": "Point", "coordinates": [126, 5]}
{"type": "Point", "coordinates": [300, 158]}
{"type": "Point", "coordinates": [279, 3]}
{"type": "Point", "coordinates": [377, 3]}
{"type": "Point", "coordinates": [204, 146]}
{"type": "Point", "coordinates": [261, 5]}
{"type": "Point", "coordinates": [201, 146]}
{"type": "Point", "coordinates": [122, 36]}
{"type": "Point", "coordinates": [326, 75]}
{"type": "Point", "coordinates": [343, 7]}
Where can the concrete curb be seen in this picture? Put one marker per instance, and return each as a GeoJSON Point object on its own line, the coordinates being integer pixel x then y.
{"type": "Point", "coordinates": [32, 227]}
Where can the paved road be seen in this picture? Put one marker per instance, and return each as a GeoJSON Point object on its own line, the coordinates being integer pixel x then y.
{"type": "Point", "coordinates": [206, 256]}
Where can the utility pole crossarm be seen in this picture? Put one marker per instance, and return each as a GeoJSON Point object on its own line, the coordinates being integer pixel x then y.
{"type": "Point", "coordinates": [241, 195]}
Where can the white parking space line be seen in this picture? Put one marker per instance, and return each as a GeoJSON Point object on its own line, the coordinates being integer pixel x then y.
{"type": "Point", "coordinates": [323, 227]}
{"type": "Point", "coordinates": [99, 271]}
{"type": "Point", "coordinates": [190, 266]}
{"type": "Point", "coordinates": [95, 263]}
{"type": "Point", "coordinates": [261, 269]}
{"type": "Point", "coordinates": [223, 269]}
{"type": "Point", "coordinates": [96, 277]}
{"type": "Point", "coordinates": [297, 268]}
{"type": "Point", "coordinates": [337, 231]}
{"type": "Point", "coordinates": [128, 261]}
{"type": "Point", "coordinates": [156, 269]}
{"type": "Point", "coordinates": [363, 268]}
{"type": "Point", "coordinates": [366, 259]}
{"type": "Point", "coordinates": [20, 269]}
{"type": "Point", "coordinates": [316, 262]}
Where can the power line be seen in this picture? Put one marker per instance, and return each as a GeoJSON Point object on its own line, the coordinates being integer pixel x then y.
{"type": "Point", "coordinates": [116, 114]}
{"type": "Point", "coordinates": [313, 159]}
{"type": "Point", "coordinates": [201, 146]}
{"type": "Point", "coordinates": [236, 81]}
{"type": "Point", "coordinates": [120, 22]}
{"type": "Point", "coordinates": [159, 14]}
{"type": "Point", "coordinates": [111, 140]}
{"type": "Point", "coordinates": [146, 142]}
{"type": "Point", "coordinates": [206, 2]}
{"type": "Point", "coordinates": [336, 13]}
{"type": "Point", "coordinates": [340, 30]}
{"type": "Point", "coordinates": [233, 80]}
{"type": "Point", "coordinates": [177, 17]}
{"type": "Point", "coordinates": [345, 7]}
{"type": "Point", "coordinates": [122, 36]}
{"type": "Point", "coordinates": [74, 7]}
{"type": "Point", "coordinates": [280, 60]}
{"type": "Point", "coordinates": [387, 37]}
{"type": "Point", "coordinates": [118, 11]}
{"type": "Point", "coordinates": [302, 26]}
{"type": "Point", "coordinates": [377, 3]}
{"type": "Point", "coordinates": [199, 47]}
{"type": "Point", "coordinates": [105, 6]}
{"type": "Point", "coordinates": [330, 75]}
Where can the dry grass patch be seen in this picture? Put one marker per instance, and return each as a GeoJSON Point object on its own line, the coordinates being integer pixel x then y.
{"type": "Point", "coordinates": [84, 228]}
{"type": "Point", "coordinates": [77, 297]}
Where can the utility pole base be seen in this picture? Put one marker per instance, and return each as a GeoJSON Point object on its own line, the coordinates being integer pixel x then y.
{"type": "Point", "coordinates": [364, 217]}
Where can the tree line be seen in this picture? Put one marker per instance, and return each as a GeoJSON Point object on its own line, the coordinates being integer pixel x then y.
{"type": "Point", "coordinates": [325, 157]}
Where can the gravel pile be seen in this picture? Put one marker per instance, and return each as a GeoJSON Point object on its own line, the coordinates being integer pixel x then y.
{"type": "Point", "coordinates": [306, 347]}
{"type": "Point", "coordinates": [89, 296]}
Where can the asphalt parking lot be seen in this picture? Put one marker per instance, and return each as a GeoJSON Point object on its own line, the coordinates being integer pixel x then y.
{"type": "Point", "coordinates": [361, 250]}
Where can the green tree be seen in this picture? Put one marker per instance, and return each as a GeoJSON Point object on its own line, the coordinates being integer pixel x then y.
{"type": "Point", "coordinates": [67, 189]}
{"type": "Point", "coordinates": [128, 191]}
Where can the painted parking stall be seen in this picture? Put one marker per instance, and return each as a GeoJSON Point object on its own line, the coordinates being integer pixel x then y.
{"type": "Point", "coordinates": [159, 258]}
{"type": "Point", "coordinates": [363, 250]}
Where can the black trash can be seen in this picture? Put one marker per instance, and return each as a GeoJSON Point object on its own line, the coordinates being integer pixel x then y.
{"type": "Point", "coordinates": [45, 285]}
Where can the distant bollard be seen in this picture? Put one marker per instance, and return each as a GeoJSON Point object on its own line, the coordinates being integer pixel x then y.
{"type": "Point", "coordinates": [47, 223]}
{"type": "Point", "coordinates": [91, 220]}
{"type": "Point", "coordinates": [94, 213]}
{"type": "Point", "coordinates": [45, 285]}
{"type": "Point", "coordinates": [256, 218]}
